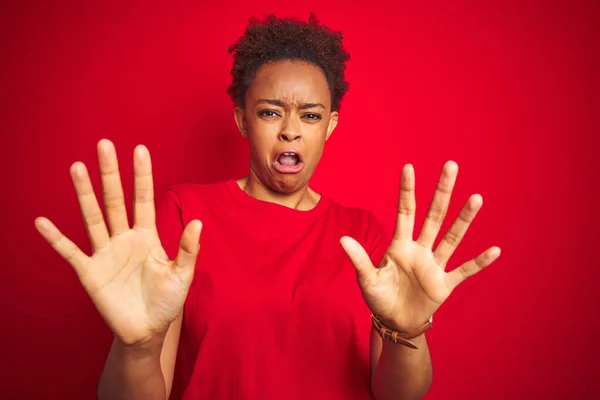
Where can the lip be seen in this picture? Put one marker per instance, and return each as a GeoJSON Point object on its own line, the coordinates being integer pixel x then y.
{"type": "Point", "coordinates": [288, 169]}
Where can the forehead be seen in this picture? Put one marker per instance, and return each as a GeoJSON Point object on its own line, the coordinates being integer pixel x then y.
{"type": "Point", "coordinates": [290, 81]}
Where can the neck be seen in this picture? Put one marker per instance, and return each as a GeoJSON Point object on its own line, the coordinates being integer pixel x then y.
{"type": "Point", "coordinates": [304, 199]}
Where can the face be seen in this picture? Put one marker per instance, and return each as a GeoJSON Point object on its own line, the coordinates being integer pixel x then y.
{"type": "Point", "coordinates": [287, 119]}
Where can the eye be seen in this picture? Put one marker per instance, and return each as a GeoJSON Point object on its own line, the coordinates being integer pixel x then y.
{"type": "Point", "coordinates": [267, 113]}
{"type": "Point", "coordinates": [312, 116]}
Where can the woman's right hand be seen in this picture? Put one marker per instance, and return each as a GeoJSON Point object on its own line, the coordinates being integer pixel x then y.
{"type": "Point", "coordinates": [133, 284]}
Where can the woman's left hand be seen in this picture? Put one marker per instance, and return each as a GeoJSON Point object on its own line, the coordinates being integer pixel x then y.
{"type": "Point", "coordinates": [410, 283]}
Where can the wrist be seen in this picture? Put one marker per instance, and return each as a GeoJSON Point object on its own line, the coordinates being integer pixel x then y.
{"type": "Point", "coordinates": [149, 347]}
{"type": "Point", "coordinates": [402, 326]}
{"type": "Point", "coordinates": [390, 347]}
{"type": "Point", "coordinates": [398, 337]}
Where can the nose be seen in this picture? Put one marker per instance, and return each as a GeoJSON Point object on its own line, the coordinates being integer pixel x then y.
{"type": "Point", "coordinates": [290, 131]}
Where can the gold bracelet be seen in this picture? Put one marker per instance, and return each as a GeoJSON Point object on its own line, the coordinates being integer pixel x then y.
{"type": "Point", "coordinates": [399, 337]}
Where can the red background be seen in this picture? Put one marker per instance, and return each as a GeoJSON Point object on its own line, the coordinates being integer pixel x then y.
{"type": "Point", "coordinates": [508, 90]}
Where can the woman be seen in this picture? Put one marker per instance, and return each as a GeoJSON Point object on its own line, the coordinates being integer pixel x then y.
{"type": "Point", "coordinates": [274, 309]}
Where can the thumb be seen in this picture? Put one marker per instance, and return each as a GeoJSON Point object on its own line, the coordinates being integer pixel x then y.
{"type": "Point", "coordinates": [358, 256]}
{"type": "Point", "coordinates": [189, 246]}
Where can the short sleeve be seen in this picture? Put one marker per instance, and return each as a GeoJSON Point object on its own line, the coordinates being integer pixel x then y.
{"type": "Point", "coordinates": [169, 222]}
{"type": "Point", "coordinates": [378, 240]}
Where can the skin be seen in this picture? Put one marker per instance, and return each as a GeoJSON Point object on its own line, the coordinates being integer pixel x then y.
{"type": "Point", "coordinates": [410, 284]}
{"type": "Point", "coordinates": [129, 264]}
{"type": "Point", "coordinates": [288, 107]}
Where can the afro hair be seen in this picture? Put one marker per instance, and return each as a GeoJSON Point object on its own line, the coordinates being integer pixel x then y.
{"type": "Point", "coordinates": [275, 39]}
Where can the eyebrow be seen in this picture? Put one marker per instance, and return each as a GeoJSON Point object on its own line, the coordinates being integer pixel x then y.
{"type": "Point", "coordinates": [279, 103]}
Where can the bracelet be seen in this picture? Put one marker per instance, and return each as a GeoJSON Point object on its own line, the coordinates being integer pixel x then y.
{"type": "Point", "coordinates": [399, 337]}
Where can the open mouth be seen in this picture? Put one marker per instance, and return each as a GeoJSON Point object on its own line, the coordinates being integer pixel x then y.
{"type": "Point", "coordinates": [288, 162]}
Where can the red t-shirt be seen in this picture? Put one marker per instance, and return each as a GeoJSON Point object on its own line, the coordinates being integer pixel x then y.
{"type": "Point", "coordinates": [274, 310]}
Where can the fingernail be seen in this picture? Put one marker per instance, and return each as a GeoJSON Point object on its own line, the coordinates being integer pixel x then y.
{"type": "Point", "coordinates": [141, 152]}
{"type": "Point", "coordinates": [41, 223]}
{"type": "Point", "coordinates": [494, 253]}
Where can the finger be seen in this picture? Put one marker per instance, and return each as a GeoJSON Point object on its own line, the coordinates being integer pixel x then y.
{"type": "Point", "coordinates": [63, 246]}
{"type": "Point", "coordinates": [144, 214]}
{"type": "Point", "coordinates": [405, 222]}
{"type": "Point", "coordinates": [358, 256]}
{"type": "Point", "coordinates": [439, 205]}
{"type": "Point", "coordinates": [114, 199]}
{"type": "Point", "coordinates": [457, 231]}
{"type": "Point", "coordinates": [92, 214]}
{"type": "Point", "coordinates": [189, 246]}
{"type": "Point", "coordinates": [470, 268]}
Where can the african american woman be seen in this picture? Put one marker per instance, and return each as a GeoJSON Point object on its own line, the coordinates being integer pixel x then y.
{"type": "Point", "coordinates": [292, 296]}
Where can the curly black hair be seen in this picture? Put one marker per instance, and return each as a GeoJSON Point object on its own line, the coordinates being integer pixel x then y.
{"type": "Point", "coordinates": [274, 39]}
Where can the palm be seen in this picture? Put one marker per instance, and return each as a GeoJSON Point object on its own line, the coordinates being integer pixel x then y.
{"type": "Point", "coordinates": [131, 284]}
{"type": "Point", "coordinates": [410, 283]}
{"type": "Point", "coordinates": [135, 287]}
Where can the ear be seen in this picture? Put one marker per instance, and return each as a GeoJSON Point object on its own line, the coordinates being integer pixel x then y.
{"type": "Point", "coordinates": [238, 115]}
{"type": "Point", "coordinates": [333, 120]}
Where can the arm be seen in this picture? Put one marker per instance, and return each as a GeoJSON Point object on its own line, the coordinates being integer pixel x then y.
{"type": "Point", "coordinates": [143, 372]}
{"type": "Point", "coordinates": [137, 289]}
{"type": "Point", "coordinates": [411, 283]}
{"type": "Point", "coordinates": [133, 373]}
{"type": "Point", "coordinates": [399, 372]}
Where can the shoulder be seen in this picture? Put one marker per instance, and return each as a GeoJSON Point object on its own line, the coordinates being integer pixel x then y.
{"type": "Point", "coordinates": [359, 223]}
{"type": "Point", "coordinates": [355, 215]}
{"type": "Point", "coordinates": [367, 229]}
{"type": "Point", "coordinates": [191, 190]}
{"type": "Point", "coordinates": [195, 193]}
{"type": "Point", "coordinates": [192, 200]}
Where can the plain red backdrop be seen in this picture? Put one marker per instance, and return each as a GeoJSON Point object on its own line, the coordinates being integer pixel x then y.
{"type": "Point", "coordinates": [509, 90]}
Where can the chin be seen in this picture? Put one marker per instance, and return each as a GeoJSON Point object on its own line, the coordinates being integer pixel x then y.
{"type": "Point", "coordinates": [289, 183]}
